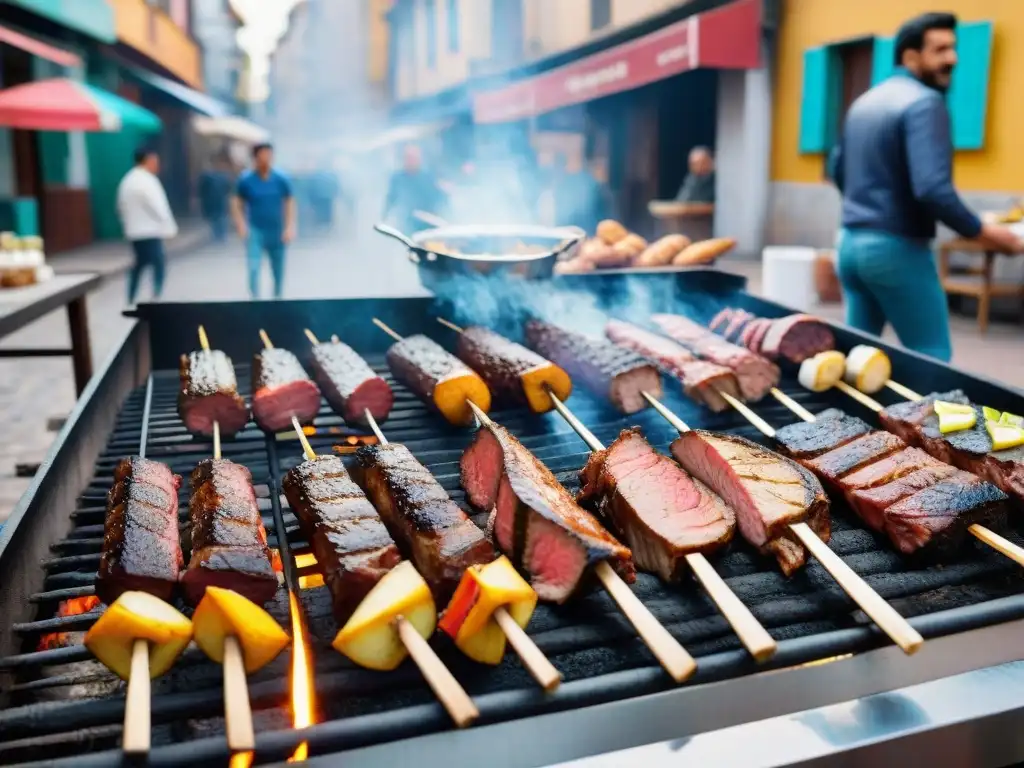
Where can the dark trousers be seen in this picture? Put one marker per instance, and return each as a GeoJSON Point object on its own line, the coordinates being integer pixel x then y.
{"type": "Point", "coordinates": [149, 254]}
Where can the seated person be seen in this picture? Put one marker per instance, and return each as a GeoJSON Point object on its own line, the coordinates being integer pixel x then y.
{"type": "Point", "coordinates": [699, 184]}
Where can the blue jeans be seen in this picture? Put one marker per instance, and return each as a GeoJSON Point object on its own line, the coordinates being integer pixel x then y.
{"type": "Point", "coordinates": [149, 254]}
{"type": "Point", "coordinates": [269, 243]}
{"type": "Point", "coordinates": [886, 277]}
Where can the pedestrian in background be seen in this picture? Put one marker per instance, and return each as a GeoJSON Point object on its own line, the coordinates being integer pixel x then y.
{"type": "Point", "coordinates": [263, 208]}
{"type": "Point", "coordinates": [412, 189]}
{"type": "Point", "coordinates": [214, 191]}
{"type": "Point", "coordinates": [699, 184]}
{"type": "Point", "coordinates": [146, 219]}
{"type": "Point", "coordinates": [894, 165]}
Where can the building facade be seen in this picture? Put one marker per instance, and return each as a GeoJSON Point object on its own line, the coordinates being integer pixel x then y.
{"type": "Point", "coordinates": [214, 27]}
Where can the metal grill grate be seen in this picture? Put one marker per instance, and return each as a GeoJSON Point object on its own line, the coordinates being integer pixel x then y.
{"type": "Point", "coordinates": [70, 703]}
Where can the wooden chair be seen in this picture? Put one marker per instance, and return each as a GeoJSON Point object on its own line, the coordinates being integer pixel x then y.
{"type": "Point", "coordinates": [976, 281]}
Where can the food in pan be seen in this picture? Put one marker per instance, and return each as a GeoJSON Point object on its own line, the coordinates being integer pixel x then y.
{"type": "Point", "coordinates": [141, 551]}
{"type": "Point", "coordinates": [229, 542]}
{"type": "Point", "coordinates": [704, 251]}
{"type": "Point", "coordinates": [429, 527]}
{"type": "Point", "coordinates": [823, 371]}
{"type": "Point", "coordinates": [794, 338]}
{"type": "Point", "coordinates": [630, 247]}
{"type": "Point", "coordinates": [611, 231]}
{"type": "Point", "coordinates": [209, 393]}
{"type": "Point", "coordinates": [469, 618]}
{"type": "Point", "coordinates": [370, 637]}
{"type": "Point", "coordinates": [518, 248]}
{"type": "Point", "coordinates": [534, 519]}
{"type": "Point", "coordinates": [661, 252]}
{"type": "Point", "coordinates": [281, 388]}
{"type": "Point", "coordinates": [756, 375]}
{"type": "Point", "coordinates": [438, 378]}
{"type": "Point", "coordinates": [703, 381]}
{"type": "Point", "coordinates": [138, 616]}
{"type": "Point", "coordinates": [515, 375]}
{"type": "Point", "coordinates": [661, 512]}
{"type": "Point", "coordinates": [349, 384]}
{"type": "Point", "coordinates": [222, 614]}
{"type": "Point", "coordinates": [768, 492]}
{"type": "Point", "coordinates": [867, 368]}
{"type": "Point", "coordinates": [608, 370]}
{"type": "Point", "coordinates": [600, 255]}
{"type": "Point", "coordinates": [350, 542]}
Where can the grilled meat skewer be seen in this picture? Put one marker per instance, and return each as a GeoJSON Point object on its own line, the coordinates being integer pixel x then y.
{"type": "Point", "coordinates": [349, 384]}
{"type": "Point", "coordinates": [281, 388]}
{"type": "Point", "coordinates": [209, 393]}
{"type": "Point", "coordinates": [794, 337]}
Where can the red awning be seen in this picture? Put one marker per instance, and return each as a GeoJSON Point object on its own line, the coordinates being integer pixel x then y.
{"type": "Point", "coordinates": [38, 48]}
{"type": "Point", "coordinates": [725, 38]}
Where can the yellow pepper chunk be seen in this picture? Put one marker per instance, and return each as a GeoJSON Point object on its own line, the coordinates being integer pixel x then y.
{"type": "Point", "coordinates": [1004, 436]}
{"type": "Point", "coordinates": [139, 616]}
{"type": "Point", "coordinates": [955, 422]}
{"type": "Point", "coordinates": [223, 613]}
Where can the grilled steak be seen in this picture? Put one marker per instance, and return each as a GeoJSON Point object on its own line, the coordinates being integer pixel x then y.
{"type": "Point", "coordinates": [516, 376]}
{"type": "Point", "coordinates": [768, 492]}
{"type": "Point", "coordinates": [831, 429]}
{"type": "Point", "coordinates": [606, 369]}
{"type": "Point", "coordinates": [794, 337]}
{"type": "Point", "coordinates": [662, 513]}
{"type": "Point", "coordinates": [832, 466]}
{"type": "Point", "coordinates": [755, 374]}
{"type": "Point", "coordinates": [702, 381]}
{"type": "Point", "coordinates": [534, 520]}
{"type": "Point", "coordinates": [350, 542]}
{"type": "Point", "coordinates": [140, 532]}
{"type": "Point", "coordinates": [429, 527]}
{"type": "Point", "coordinates": [903, 419]}
{"type": "Point", "coordinates": [229, 543]}
{"type": "Point", "coordinates": [209, 393]}
{"type": "Point", "coordinates": [281, 389]}
{"type": "Point", "coordinates": [438, 378]}
{"type": "Point", "coordinates": [350, 385]}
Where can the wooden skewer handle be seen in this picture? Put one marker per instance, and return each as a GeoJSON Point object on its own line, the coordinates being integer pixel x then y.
{"type": "Point", "coordinates": [533, 658]}
{"type": "Point", "coordinates": [135, 740]}
{"type": "Point", "coordinates": [237, 710]}
{"type": "Point", "coordinates": [902, 391]}
{"type": "Point", "coordinates": [266, 339]}
{"type": "Point", "coordinates": [311, 336]}
{"type": "Point", "coordinates": [447, 689]}
{"type": "Point", "coordinates": [998, 543]}
{"type": "Point", "coordinates": [671, 655]}
{"type": "Point", "coordinates": [216, 439]}
{"type": "Point", "coordinates": [866, 400]}
{"type": "Point", "coordinates": [792, 404]}
{"type": "Point", "coordinates": [204, 342]}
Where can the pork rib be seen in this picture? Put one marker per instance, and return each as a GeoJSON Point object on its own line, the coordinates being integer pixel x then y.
{"type": "Point", "coordinates": [349, 384]}
{"type": "Point", "coordinates": [280, 389]}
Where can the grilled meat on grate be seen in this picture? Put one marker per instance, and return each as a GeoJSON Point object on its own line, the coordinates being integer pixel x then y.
{"type": "Point", "coordinates": [350, 542]}
{"type": "Point", "coordinates": [794, 337]}
{"type": "Point", "coordinates": [608, 370]}
{"type": "Point", "coordinates": [756, 375]}
{"type": "Point", "coordinates": [534, 519]}
{"type": "Point", "coordinates": [661, 512]}
{"type": "Point", "coordinates": [807, 439]}
{"type": "Point", "coordinates": [832, 466]}
{"type": "Point", "coordinates": [141, 550]}
{"type": "Point", "coordinates": [431, 529]}
{"type": "Point", "coordinates": [767, 491]}
{"type": "Point", "coordinates": [280, 389]}
{"type": "Point", "coordinates": [349, 384]}
{"type": "Point", "coordinates": [229, 543]}
{"type": "Point", "coordinates": [209, 393]}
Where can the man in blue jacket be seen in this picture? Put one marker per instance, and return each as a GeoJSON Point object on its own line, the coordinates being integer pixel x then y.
{"type": "Point", "coordinates": [893, 165]}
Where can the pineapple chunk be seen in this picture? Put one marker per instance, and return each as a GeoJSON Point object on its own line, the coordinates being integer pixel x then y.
{"type": "Point", "coordinates": [867, 368]}
{"type": "Point", "coordinates": [370, 637]}
{"type": "Point", "coordinates": [139, 616]}
{"type": "Point", "coordinates": [955, 422]}
{"type": "Point", "coordinates": [223, 613]}
{"type": "Point", "coordinates": [944, 408]}
{"type": "Point", "coordinates": [1004, 436]}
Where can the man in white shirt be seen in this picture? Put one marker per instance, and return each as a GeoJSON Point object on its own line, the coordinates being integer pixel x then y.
{"type": "Point", "coordinates": [146, 219]}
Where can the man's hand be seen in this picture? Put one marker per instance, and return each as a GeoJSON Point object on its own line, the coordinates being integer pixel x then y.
{"type": "Point", "coordinates": [288, 235]}
{"type": "Point", "coordinates": [1000, 238]}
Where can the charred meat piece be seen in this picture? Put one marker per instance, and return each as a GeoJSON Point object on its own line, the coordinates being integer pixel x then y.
{"type": "Point", "coordinates": [438, 378]}
{"type": "Point", "coordinates": [516, 376]}
{"type": "Point", "coordinates": [350, 385]}
{"type": "Point", "coordinates": [768, 492]}
{"type": "Point", "coordinates": [209, 393]}
{"type": "Point", "coordinates": [809, 439]}
{"type": "Point", "coordinates": [796, 338]}
{"type": "Point", "coordinates": [755, 374]}
{"type": "Point", "coordinates": [141, 550]}
{"type": "Point", "coordinates": [281, 389]}
{"type": "Point", "coordinates": [606, 369]}
{"type": "Point", "coordinates": [702, 381]}
{"type": "Point", "coordinates": [229, 542]}
{"type": "Point", "coordinates": [431, 530]}
{"type": "Point", "coordinates": [534, 519]}
{"type": "Point", "coordinates": [903, 419]}
{"type": "Point", "coordinates": [661, 512]}
{"type": "Point", "coordinates": [832, 466]}
{"type": "Point", "coordinates": [350, 542]}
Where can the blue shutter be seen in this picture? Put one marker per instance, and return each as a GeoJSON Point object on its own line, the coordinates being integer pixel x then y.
{"type": "Point", "coordinates": [883, 62]}
{"type": "Point", "coordinates": [968, 95]}
{"type": "Point", "coordinates": [814, 102]}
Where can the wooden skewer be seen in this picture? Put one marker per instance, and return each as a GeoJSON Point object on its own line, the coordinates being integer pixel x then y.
{"type": "Point", "coordinates": [303, 440]}
{"type": "Point", "coordinates": [902, 391]}
{"type": "Point", "coordinates": [216, 439]}
{"type": "Point", "coordinates": [136, 740]}
{"type": "Point", "coordinates": [533, 658]}
{"type": "Point", "coordinates": [447, 689]}
{"type": "Point", "coordinates": [449, 324]}
{"type": "Point", "coordinates": [387, 329]}
{"type": "Point", "coordinates": [311, 336]}
{"type": "Point", "coordinates": [266, 339]}
{"type": "Point", "coordinates": [792, 404]}
{"type": "Point", "coordinates": [883, 614]}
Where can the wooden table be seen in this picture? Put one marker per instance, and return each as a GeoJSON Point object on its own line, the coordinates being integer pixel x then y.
{"type": "Point", "coordinates": [21, 306]}
{"type": "Point", "coordinates": [976, 281]}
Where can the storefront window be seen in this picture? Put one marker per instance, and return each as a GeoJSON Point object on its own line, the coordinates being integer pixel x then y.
{"type": "Point", "coordinates": [600, 14]}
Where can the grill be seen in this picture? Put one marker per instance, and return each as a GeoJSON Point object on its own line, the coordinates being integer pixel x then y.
{"type": "Point", "coordinates": [63, 701]}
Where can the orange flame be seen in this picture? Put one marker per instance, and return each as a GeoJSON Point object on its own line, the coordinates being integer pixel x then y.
{"type": "Point", "coordinates": [73, 607]}
{"type": "Point", "coordinates": [302, 679]}
{"type": "Point", "coordinates": [353, 442]}
{"type": "Point", "coordinates": [241, 760]}
{"type": "Point", "coordinates": [308, 560]}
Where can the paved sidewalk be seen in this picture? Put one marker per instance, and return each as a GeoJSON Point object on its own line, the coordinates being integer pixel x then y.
{"type": "Point", "coordinates": [114, 257]}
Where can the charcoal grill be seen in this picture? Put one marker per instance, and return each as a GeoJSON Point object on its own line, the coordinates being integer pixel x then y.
{"type": "Point", "coordinates": [60, 705]}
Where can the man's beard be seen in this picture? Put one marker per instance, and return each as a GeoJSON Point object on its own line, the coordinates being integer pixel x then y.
{"type": "Point", "coordinates": [931, 79]}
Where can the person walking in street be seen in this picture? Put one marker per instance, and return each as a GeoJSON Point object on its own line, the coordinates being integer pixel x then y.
{"type": "Point", "coordinates": [412, 189]}
{"type": "Point", "coordinates": [214, 190]}
{"type": "Point", "coordinates": [893, 165]}
{"type": "Point", "coordinates": [263, 208]}
{"type": "Point", "coordinates": [699, 184]}
{"type": "Point", "coordinates": [146, 219]}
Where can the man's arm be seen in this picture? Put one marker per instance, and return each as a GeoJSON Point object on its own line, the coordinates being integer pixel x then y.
{"type": "Point", "coordinates": [835, 165]}
{"type": "Point", "coordinates": [238, 215]}
{"type": "Point", "coordinates": [290, 210]}
{"type": "Point", "coordinates": [163, 207]}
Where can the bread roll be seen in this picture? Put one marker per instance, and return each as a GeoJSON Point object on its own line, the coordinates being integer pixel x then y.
{"type": "Point", "coordinates": [631, 246]}
{"type": "Point", "coordinates": [661, 252]}
{"type": "Point", "coordinates": [704, 251]}
{"type": "Point", "coordinates": [610, 231]}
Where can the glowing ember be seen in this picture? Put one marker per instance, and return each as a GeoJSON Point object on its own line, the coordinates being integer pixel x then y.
{"type": "Point", "coordinates": [275, 560]}
{"type": "Point", "coordinates": [73, 607]}
{"type": "Point", "coordinates": [302, 679]}
{"type": "Point", "coordinates": [305, 560]}
{"type": "Point", "coordinates": [241, 760]}
{"type": "Point", "coordinates": [353, 442]}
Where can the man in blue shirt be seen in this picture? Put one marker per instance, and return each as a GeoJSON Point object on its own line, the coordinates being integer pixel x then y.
{"type": "Point", "coordinates": [263, 208]}
{"type": "Point", "coordinates": [894, 166]}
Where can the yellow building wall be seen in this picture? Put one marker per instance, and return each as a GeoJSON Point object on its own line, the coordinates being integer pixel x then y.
{"type": "Point", "coordinates": [811, 23]}
{"type": "Point", "coordinates": [152, 32]}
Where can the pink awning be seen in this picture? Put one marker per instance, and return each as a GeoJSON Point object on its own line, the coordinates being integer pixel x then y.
{"type": "Point", "coordinates": [38, 48]}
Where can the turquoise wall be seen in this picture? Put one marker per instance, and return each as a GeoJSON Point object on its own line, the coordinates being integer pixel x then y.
{"type": "Point", "coordinates": [91, 17]}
